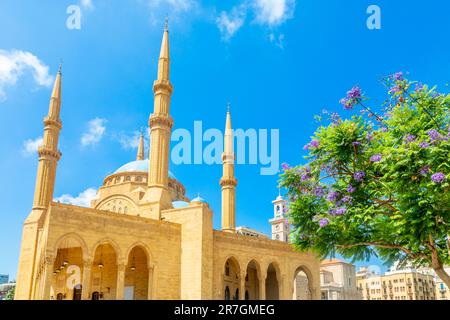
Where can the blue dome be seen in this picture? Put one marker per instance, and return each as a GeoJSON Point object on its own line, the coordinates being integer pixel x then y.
{"type": "Point", "coordinates": [137, 166]}
{"type": "Point", "coordinates": [179, 204]}
{"type": "Point", "coordinates": [199, 199]}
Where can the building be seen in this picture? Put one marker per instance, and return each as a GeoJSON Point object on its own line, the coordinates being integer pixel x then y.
{"type": "Point", "coordinates": [142, 238]}
{"type": "Point", "coordinates": [245, 231]}
{"type": "Point", "coordinates": [5, 288]}
{"type": "Point", "coordinates": [442, 291]}
{"type": "Point", "coordinates": [338, 280]}
{"type": "Point", "coordinates": [397, 284]}
{"type": "Point", "coordinates": [4, 278]}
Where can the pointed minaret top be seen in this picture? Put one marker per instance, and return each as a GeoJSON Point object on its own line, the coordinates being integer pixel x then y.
{"type": "Point", "coordinates": [165, 44]}
{"type": "Point", "coordinates": [141, 152]}
{"type": "Point", "coordinates": [228, 139]}
{"type": "Point", "coordinates": [166, 24]}
{"type": "Point", "coordinates": [55, 100]}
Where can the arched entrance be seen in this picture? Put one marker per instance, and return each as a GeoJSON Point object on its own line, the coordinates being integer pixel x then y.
{"type": "Point", "coordinates": [252, 281]}
{"type": "Point", "coordinates": [67, 270]}
{"type": "Point", "coordinates": [136, 275]}
{"type": "Point", "coordinates": [272, 285]}
{"type": "Point", "coordinates": [231, 279]}
{"type": "Point", "coordinates": [104, 273]}
{"type": "Point", "coordinates": [302, 284]}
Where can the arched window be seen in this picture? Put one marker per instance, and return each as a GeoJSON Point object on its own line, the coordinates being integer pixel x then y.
{"type": "Point", "coordinates": [236, 296]}
{"type": "Point", "coordinates": [77, 292]}
{"type": "Point", "coordinates": [227, 270]}
{"type": "Point", "coordinates": [138, 178]}
{"type": "Point", "coordinates": [277, 237]}
{"type": "Point", "coordinates": [60, 296]}
{"type": "Point", "coordinates": [128, 178]}
{"type": "Point", "coordinates": [95, 295]}
{"type": "Point", "coordinates": [125, 210]}
{"type": "Point", "coordinates": [247, 296]}
{"type": "Point", "coordinates": [227, 293]}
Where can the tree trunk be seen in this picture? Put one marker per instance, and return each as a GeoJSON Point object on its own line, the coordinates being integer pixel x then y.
{"type": "Point", "coordinates": [438, 267]}
{"type": "Point", "coordinates": [443, 276]}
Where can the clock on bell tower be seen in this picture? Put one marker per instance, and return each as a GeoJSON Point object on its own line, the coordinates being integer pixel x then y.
{"type": "Point", "coordinates": [280, 223]}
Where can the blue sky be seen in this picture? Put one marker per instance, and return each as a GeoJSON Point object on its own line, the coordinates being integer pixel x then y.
{"type": "Point", "coordinates": [279, 62]}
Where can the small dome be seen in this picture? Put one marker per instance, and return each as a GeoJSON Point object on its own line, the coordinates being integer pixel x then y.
{"type": "Point", "coordinates": [280, 197]}
{"type": "Point", "coordinates": [179, 204]}
{"type": "Point", "coordinates": [138, 166]}
{"type": "Point", "coordinates": [198, 199]}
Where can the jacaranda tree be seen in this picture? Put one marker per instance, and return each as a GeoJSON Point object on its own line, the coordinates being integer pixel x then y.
{"type": "Point", "coordinates": [378, 183]}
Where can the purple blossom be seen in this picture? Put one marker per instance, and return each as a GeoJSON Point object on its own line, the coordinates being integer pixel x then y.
{"type": "Point", "coordinates": [285, 166]}
{"type": "Point", "coordinates": [425, 170]}
{"type": "Point", "coordinates": [314, 144]}
{"type": "Point", "coordinates": [384, 129]}
{"type": "Point", "coordinates": [419, 86]}
{"type": "Point", "coordinates": [305, 177]}
{"type": "Point", "coordinates": [351, 189]}
{"type": "Point", "coordinates": [359, 176]}
{"type": "Point", "coordinates": [369, 136]}
{"type": "Point", "coordinates": [434, 135]}
{"type": "Point", "coordinates": [347, 199]}
{"type": "Point", "coordinates": [340, 211]}
{"type": "Point", "coordinates": [438, 177]}
{"type": "Point", "coordinates": [323, 222]}
{"type": "Point", "coordinates": [333, 196]}
{"type": "Point", "coordinates": [395, 89]}
{"type": "Point", "coordinates": [410, 138]}
{"type": "Point", "coordinates": [375, 158]}
{"type": "Point", "coordinates": [318, 192]}
{"type": "Point", "coordinates": [424, 144]}
{"type": "Point", "coordinates": [335, 118]}
{"type": "Point", "coordinates": [356, 143]}
{"type": "Point", "coordinates": [398, 76]}
{"type": "Point", "coordinates": [354, 93]}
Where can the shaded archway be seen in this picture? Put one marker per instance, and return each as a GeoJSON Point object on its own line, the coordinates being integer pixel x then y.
{"type": "Point", "coordinates": [231, 279]}
{"type": "Point", "coordinates": [68, 268]}
{"type": "Point", "coordinates": [302, 284]}
{"type": "Point", "coordinates": [104, 272]}
{"type": "Point", "coordinates": [137, 275]}
{"type": "Point", "coordinates": [252, 277]}
{"type": "Point", "coordinates": [272, 283]}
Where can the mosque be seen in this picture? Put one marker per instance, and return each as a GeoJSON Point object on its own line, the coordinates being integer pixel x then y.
{"type": "Point", "coordinates": [143, 239]}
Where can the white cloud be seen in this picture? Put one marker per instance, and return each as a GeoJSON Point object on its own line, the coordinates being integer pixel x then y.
{"type": "Point", "coordinates": [230, 23]}
{"type": "Point", "coordinates": [177, 5]}
{"type": "Point", "coordinates": [96, 130]}
{"type": "Point", "coordinates": [277, 40]}
{"type": "Point", "coordinates": [273, 12]}
{"type": "Point", "coordinates": [131, 141]}
{"type": "Point", "coordinates": [31, 146]}
{"type": "Point", "coordinates": [87, 4]}
{"type": "Point", "coordinates": [14, 63]}
{"type": "Point", "coordinates": [83, 199]}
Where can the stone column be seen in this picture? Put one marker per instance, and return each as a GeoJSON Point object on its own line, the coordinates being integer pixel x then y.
{"type": "Point", "coordinates": [262, 286]}
{"type": "Point", "coordinates": [242, 286]}
{"type": "Point", "coordinates": [86, 281]}
{"type": "Point", "coordinates": [47, 277]}
{"type": "Point", "coordinates": [120, 281]}
{"type": "Point", "coordinates": [150, 282]}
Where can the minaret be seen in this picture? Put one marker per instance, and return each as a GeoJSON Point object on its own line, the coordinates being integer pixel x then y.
{"type": "Point", "coordinates": [43, 195]}
{"type": "Point", "coordinates": [228, 181]}
{"type": "Point", "coordinates": [140, 152]}
{"type": "Point", "coordinates": [49, 154]}
{"type": "Point", "coordinates": [280, 223]}
{"type": "Point", "coordinates": [158, 196]}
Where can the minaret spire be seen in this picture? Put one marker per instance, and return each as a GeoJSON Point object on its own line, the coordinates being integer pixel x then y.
{"type": "Point", "coordinates": [49, 154]}
{"type": "Point", "coordinates": [161, 123]}
{"type": "Point", "coordinates": [228, 181]}
{"type": "Point", "coordinates": [141, 152]}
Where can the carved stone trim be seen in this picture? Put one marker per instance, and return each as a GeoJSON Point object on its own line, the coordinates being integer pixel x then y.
{"type": "Point", "coordinates": [228, 182]}
{"type": "Point", "coordinates": [160, 120]}
{"type": "Point", "coordinates": [45, 152]}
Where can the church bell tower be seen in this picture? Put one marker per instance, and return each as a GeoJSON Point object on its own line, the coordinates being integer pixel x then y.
{"type": "Point", "coordinates": [280, 223]}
